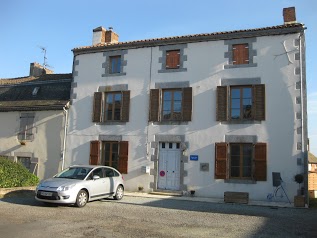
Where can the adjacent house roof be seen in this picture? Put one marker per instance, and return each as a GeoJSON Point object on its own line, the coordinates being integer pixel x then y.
{"type": "Point", "coordinates": [46, 92]}
{"type": "Point", "coordinates": [227, 35]}
{"type": "Point", "coordinates": [311, 158]}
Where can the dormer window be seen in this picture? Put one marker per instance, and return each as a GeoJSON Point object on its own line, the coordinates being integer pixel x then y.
{"type": "Point", "coordinates": [35, 91]}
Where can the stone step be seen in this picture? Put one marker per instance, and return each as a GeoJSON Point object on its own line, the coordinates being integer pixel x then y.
{"type": "Point", "coordinates": [168, 193]}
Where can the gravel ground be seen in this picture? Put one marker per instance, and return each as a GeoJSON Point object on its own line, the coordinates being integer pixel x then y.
{"type": "Point", "coordinates": [152, 217]}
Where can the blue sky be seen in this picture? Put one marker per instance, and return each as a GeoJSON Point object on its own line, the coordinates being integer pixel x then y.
{"type": "Point", "coordinates": [61, 25]}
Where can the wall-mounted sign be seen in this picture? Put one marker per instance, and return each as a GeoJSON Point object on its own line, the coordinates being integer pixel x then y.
{"type": "Point", "coordinates": [162, 173]}
{"type": "Point", "coordinates": [193, 157]}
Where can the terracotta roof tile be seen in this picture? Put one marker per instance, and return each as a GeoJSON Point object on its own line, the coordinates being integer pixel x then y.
{"type": "Point", "coordinates": [197, 37]}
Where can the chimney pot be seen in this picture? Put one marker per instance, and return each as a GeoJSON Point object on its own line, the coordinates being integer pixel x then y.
{"type": "Point", "coordinates": [289, 15]}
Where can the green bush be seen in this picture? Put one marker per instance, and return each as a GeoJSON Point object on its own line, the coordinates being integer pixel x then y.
{"type": "Point", "coordinates": [15, 175]}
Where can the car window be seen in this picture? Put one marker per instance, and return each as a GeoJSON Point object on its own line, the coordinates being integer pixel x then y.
{"type": "Point", "coordinates": [74, 173]}
{"type": "Point", "coordinates": [109, 172]}
{"type": "Point", "coordinates": [98, 172]}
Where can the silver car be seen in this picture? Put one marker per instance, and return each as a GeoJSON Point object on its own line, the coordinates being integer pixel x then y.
{"type": "Point", "coordinates": [80, 184]}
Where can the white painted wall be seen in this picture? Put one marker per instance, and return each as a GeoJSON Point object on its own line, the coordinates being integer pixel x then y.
{"type": "Point", "coordinates": [205, 69]}
{"type": "Point", "coordinates": [47, 143]}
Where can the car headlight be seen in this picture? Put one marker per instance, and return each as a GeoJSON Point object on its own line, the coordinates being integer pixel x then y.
{"type": "Point", "coordinates": [65, 188]}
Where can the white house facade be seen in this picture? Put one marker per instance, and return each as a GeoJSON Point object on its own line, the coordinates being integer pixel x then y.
{"type": "Point", "coordinates": [211, 112]}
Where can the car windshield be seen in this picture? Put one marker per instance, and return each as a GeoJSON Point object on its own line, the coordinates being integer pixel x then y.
{"type": "Point", "coordinates": [74, 173]}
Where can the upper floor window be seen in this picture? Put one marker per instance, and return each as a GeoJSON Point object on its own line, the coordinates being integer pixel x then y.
{"type": "Point", "coordinates": [111, 106]}
{"type": "Point", "coordinates": [115, 64]}
{"type": "Point", "coordinates": [172, 59]}
{"type": "Point", "coordinates": [171, 104]}
{"type": "Point", "coordinates": [240, 54]}
{"type": "Point", "coordinates": [241, 103]}
{"type": "Point", "coordinates": [26, 126]}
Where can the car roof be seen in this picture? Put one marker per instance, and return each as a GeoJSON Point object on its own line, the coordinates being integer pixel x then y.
{"type": "Point", "coordinates": [91, 166]}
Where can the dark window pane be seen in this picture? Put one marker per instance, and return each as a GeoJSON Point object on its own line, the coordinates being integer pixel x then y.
{"type": "Point", "coordinates": [163, 145]}
{"type": "Point", "coordinates": [170, 145]}
{"type": "Point", "coordinates": [177, 145]}
{"type": "Point", "coordinates": [235, 171]}
{"type": "Point", "coordinates": [235, 160]}
{"type": "Point", "coordinates": [246, 172]}
{"type": "Point", "coordinates": [235, 150]}
{"type": "Point", "coordinates": [166, 115]}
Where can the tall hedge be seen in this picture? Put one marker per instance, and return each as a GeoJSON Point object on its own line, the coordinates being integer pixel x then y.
{"type": "Point", "coordinates": [15, 175]}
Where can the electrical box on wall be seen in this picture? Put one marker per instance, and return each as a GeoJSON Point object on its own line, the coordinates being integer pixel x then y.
{"type": "Point", "coordinates": [145, 169]}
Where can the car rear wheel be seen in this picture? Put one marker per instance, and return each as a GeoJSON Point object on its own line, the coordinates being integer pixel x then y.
{"type": "Point", "coordinates": [82, 198]}
{"type": "Point", "coordinates": [119, 193]}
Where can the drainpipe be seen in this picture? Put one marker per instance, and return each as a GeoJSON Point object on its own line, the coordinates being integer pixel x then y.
{"type": "Point", "coordinates": [304, 112]}
{"type": "Point", "coordinates": [65, 108]}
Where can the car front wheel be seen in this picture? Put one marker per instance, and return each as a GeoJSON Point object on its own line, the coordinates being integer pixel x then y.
{"type": "Point", "coordinates": [82, 198]}
{"type": "Point", "coordinates": [119, 193]}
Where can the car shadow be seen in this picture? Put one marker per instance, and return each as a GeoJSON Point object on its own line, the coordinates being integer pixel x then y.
{"type": "Point", "coordinates": [25, 197]}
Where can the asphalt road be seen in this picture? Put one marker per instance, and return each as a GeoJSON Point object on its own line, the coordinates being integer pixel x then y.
{"type": "Point", "coordinates": [152, 217]}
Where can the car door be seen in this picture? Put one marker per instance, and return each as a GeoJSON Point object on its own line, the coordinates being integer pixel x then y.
{"type": "Point", "coordinates": [98, 186]}
{"type": "Point", "coordinates": [110, 180]}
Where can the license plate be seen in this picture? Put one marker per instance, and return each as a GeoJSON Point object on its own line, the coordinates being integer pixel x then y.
{"type": "Point", "coordinates": [47, 194]}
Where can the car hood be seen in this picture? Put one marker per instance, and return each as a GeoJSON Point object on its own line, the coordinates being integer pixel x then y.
{"type": "Point", "coordinates": [56, 182]}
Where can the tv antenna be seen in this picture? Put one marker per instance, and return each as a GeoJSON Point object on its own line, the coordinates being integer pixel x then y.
{"type": "Point", "coordinates": [45, 64]}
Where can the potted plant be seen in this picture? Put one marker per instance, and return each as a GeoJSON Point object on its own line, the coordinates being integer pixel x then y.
{"type": "Point", "coordinates": [299, 200]}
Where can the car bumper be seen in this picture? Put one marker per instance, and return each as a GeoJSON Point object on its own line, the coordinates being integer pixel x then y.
{"type": "Point", "coordinates": [55, 197]}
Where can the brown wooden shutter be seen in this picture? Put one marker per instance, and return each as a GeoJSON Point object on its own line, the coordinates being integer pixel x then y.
{"type": "Point", "coordinates": [154, 105]}
{"type": "Point", "coordinates": [259, 101]}
{"type": "Point", "coordinates": [96, 116]}
{"type": "Point", "coordinates": [240, 54]}
{"type": "Point", "coordinates": [123, 157]}
{"type": "Point", "coordinates": [222, 103]}
{"type": "Point", "coordinates": [260, 165]}
{"type": "Point", "coordinates": [221, 151]}
{"type": "Point", "coordinates": [125, 105]}
{"type": "Point", "coordinates": [187, 104]}
{"type": "Point", "coordinates": [94, 152]}
{"type": "Point", "coordinates": [172, 59]}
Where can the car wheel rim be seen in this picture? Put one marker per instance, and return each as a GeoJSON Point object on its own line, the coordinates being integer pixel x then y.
{"type": "Point", "coordinates": [82, 199]}
{"type": "Point", "coordinates": [120, 192]}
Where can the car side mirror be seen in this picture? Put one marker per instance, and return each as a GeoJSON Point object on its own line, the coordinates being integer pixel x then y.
{"type": "Point", "coordinates": [95, 177]}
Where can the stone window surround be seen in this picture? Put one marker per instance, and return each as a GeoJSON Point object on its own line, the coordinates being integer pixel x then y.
{"type": "Point", "coordinates": [240, 139]}
{"type": "Point", "coordinates": [229, 54]}
{"type": "Point", "coordinates": [166, 85]}
{"type": "Point", "coordinates": [182, 58]}
{"type": "Point", "coordinates": [113, 88]}
{"type": "Point", "coordinates": [106, 64]}
{"type": "Point", "coordinates": [155, 158]}
{"type": "Point", "coordinates": [236, 82]}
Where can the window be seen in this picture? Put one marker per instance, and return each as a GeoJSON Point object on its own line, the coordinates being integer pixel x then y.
{"type": "Point", "coordinates": [171, 104]}
{"type": "Point", "coordinates": [111, 106]}
{"type": "Point", "coordinates": [25, 161]}
{"type": "Point", "coordinates": [240, 54]}
{"type": "Point", "coordinates": [114, 154]}
{"type": "Point", "coordinates": [113, 102]}
{"type": "Point", "coordinates": [172, 59]}
{"type": "Point", "coordinates": [115, 64]}
{"type": "Point", "coordinates": [241, 103]}
{"type": "Point", "coordinates": [235, 160]}
{"type": "Point", "coordinates": [240, 160]}
{"type": "Point", "coordinates": [26, 126]}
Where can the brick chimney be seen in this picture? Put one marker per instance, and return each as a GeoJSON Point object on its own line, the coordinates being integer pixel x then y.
{"type": "Point", "coordinates": [102, 35]}
{"type": "Point", "coordinates": [289, 15]}
{"type": "Point", "coordinates": [37, 70]}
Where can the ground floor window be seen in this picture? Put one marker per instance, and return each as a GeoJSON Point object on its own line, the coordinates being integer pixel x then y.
{"type": "Point", "coordinates": [25, 161]}
{"type": "Point", "coordinates": [111, 154]}
{"type": "Point", "coordinates": [240, 160]}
